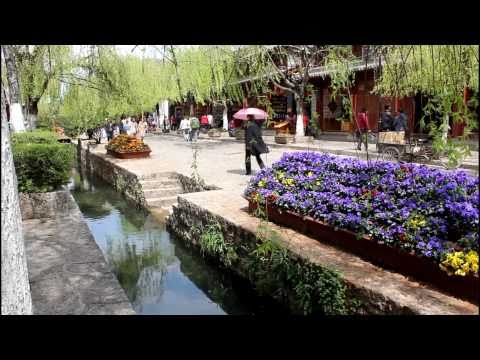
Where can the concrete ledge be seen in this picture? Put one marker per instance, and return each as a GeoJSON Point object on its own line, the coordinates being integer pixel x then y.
{"type": "Point", "coordinates": [67, 270]}
{"type": "Point", "coordinates": [45, 205]}
{"type": "Point", "coordinates": [380, 291]}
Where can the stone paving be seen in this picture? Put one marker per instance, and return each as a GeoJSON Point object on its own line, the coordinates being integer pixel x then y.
{"type": "Point", "coordinates": [67, 271]}
{"type": "Point", "coordinates": [220, 162]}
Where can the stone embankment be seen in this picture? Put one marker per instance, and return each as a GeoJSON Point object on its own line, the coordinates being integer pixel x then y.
{"type": "Point", "coordinates": [67, 270]}
{"type": "Point", "coordinates": [378, 291]}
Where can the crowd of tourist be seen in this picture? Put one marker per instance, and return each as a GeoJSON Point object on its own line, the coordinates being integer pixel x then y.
{"type": "Point", "coordinates": [136, 126]}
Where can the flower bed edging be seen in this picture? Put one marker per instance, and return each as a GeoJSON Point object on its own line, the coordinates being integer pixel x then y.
{"type": "Point", "coordinates": [131, 155]}
{"type": "Point", "coordinates": [422, 269]}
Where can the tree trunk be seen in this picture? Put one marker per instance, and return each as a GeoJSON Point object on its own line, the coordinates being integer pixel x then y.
{"type": "Point", "coordinates": [299, 130]}
{"type": "Point", "coordinates": [16, 297]}
{"type": "Point", "coordinates": [32, 114]}
{"type": "Point", "coordinates": [225, 115]}
{"type": "Point", "coordinates": [445, 128]}
{"type": "Point", "coordinates": [16, 114]}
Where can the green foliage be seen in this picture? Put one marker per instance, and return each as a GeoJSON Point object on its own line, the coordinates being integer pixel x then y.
{"type": "Point", "coordinates": [342, 76]}
{"type": "Point", "coordinates": [315, 290]}
{"type": "Point", "coordinates": [34, 137]}
{"type": "Point", "coordinates": [212, 243]}
{"type": "Point", "coordinates": [441, 72]}
{"type": "Point", "coordinates": [42, 167]}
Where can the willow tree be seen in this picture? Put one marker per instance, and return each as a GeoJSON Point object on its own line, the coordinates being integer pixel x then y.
{"type": "Point", "coordinates": [442, 73]}
{"type": "Point", "coordinates": [10, 77]}
{"type": "Point", "coordinates": [40, 67]}
{"type": "Point", "coordinates": [294, 77]}
{"type": "Point", "coordinates": [106, 84]}
{"type": "Point", "coordinates": [204, 74]}
{"type": "Point", "coordinates": [339, 63]}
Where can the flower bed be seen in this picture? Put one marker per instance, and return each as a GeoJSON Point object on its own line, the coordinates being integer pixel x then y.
{"type": "Point", "coordinates": [127, 147]}
{"type": "Point", "coordinates": [425, 213]}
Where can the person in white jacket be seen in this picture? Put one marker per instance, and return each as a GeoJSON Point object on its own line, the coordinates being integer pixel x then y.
{"type": "Point", "coordinates": [185, 127]}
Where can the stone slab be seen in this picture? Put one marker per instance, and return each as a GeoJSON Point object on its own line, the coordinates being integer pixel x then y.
{"type": "Point", "coordinates": [67, 271]}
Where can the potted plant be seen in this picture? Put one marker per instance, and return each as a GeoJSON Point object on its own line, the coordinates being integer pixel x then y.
{"type": "Point", "coordinates": [127, 147]}
{"type": "Point", "coordinates": [283, 135]}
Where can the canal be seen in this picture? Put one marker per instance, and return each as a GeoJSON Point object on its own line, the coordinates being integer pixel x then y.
{"type": "Point", "coordinates": [158, 273]}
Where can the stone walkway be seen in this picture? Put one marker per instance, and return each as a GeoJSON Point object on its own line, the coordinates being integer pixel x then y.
{"type": "Point", "coordinates": [220, 162]}
{"type": "Point", "coordinates": [67, 271]}
{"type": "Point", "coordinates": [338, 148]}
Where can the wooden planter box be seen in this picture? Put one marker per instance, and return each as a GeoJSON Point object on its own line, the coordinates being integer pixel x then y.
{"type": "Point", "coordinates": [421, 269]}
{"type": "Point", "coordinates": [346, 126]}
{"type": "Point", "coordinates": [285, 139]}
{"type": "Point", "coordinates": [132, 155]}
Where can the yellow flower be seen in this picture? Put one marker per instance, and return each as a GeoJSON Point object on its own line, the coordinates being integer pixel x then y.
{"type": "Point", "coordinates": [288, 182]}
{"type": "Point", "coordinates": [261, 183]}
{"type": "Point", "coordinates": [309, 173]}
{"type": "Point", "coordinates": [460, 272]}
{"type": "Point", "coordinates": [460, 263]}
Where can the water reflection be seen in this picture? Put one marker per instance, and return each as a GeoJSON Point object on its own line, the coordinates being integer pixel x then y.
{"type": "Point", "coordinates": [157, 272]}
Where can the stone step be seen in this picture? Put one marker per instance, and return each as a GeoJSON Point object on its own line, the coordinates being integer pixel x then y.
{"type": "Point", "coordinates": [162, 192]}
{"type": "Point", "coordinates": [158, 184]}
{"type": "Point", "coordinates": [159, 176]}
{"type": "Point", "coordinates": [165, 201]}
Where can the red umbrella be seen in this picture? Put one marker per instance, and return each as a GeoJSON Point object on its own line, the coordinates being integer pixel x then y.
{"type": "Point", "coordinates": [258, 114]}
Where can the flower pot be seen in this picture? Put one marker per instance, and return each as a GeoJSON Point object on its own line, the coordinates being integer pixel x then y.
{"type": "Point", "coordinates": [419, 268]}
{"type": "Point", "coordinates": [285, 139]}
{"type": "Point", "coordinates": [346, 126]}
{"type": "Point", "coordinates": [129, 155]}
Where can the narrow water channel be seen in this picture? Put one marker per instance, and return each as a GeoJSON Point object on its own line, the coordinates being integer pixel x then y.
{"type": "Point", "coordinates": [158, 273]}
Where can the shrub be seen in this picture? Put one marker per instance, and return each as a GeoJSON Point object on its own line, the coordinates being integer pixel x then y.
{"type": "Point", "coordinates": [42, 167]}
{"type": "Point", "coordinates": [34, 137]}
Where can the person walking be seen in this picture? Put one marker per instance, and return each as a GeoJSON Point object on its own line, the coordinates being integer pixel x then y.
{"type": "Point", "coordinates": [141, 129]}
{"type": "Point", "coordinates": [400, 121]}
{"type": "Point", "coordinates": [185, 128]}
{"type": "Point", "coordinates": [210, 120]}
{"type": "Point", "coordinates": [109, 129]}
{"type": "Point", "coordinates": [173, 123]}
{"type": "Point", "coordinates": [204, 122]}
{"type": "Point", "coordinates": [133, 126]}
{"type": "Point", "coordinates": [254, 144]}
{"type": "Point", "coordinates": [116, 130]}
{"type": "Point", "coordinates": [362, 128]}
{"type": "Point", "coordinates": [194, 129]}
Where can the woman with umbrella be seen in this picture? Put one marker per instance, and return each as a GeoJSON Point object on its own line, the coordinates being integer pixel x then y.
{"type": "Point", "coordinates": [254, 144]}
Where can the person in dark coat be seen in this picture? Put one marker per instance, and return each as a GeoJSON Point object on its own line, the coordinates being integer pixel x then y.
{"type": "Point", "coordinates": [254, 144]}
{"type": "Point", "coordinates": [400, 122]}
{"type": "Point", "coordinates": [386, 119]}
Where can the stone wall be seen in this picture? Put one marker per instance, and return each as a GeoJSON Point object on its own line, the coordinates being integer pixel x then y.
{"type": "Point", "coordinates": [187, 221]}
{"type": "Point", "coordinates": [45, 205]}
{"type": "Point", "coordinates": [189, 185]}
{"type": "Point", "coordinates": [122, 180]}
{"type": "Point", "coordinates": [372, 289]}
